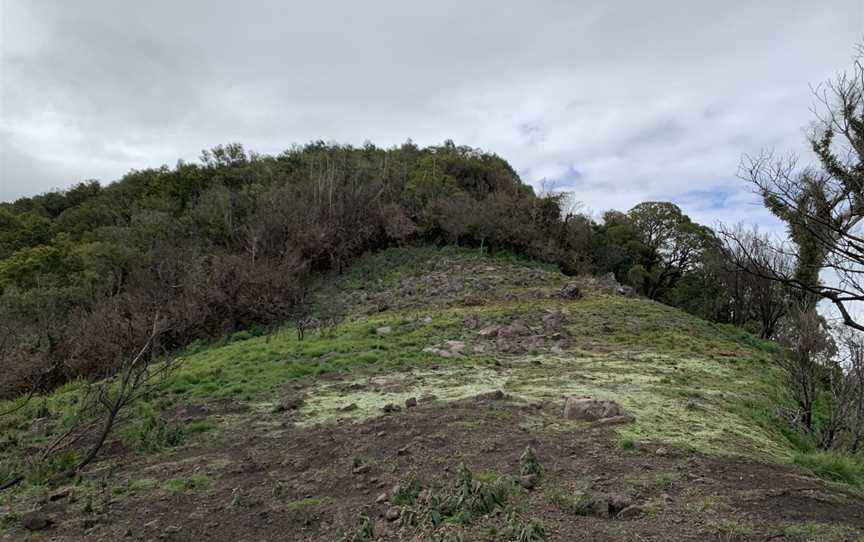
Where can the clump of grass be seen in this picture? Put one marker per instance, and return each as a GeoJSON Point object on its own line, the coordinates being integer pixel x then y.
{"type": "Point", "coordinates": [304, 503]}
{"type": "Point", "coordinates": [821, 532]}
{"type": "Point", "coordinates": [364, 532]}
{"type": "Point", "coordinates": [192, 483]}
{"type": "Point", "coordinates": [520, 529]}
{"type": "Point", "coordinates": [529, 464]}
{"type": "Point", "coordinates": [627, 443]}
{"type": "Point", "coordinates": [405, 494]}
{"type": "Point", "coordinates": [152, 433]}
{"type": "Point", "coordinates": [832, 466]}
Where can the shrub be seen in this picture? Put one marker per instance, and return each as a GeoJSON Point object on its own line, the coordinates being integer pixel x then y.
{"type": "Point", "coordinates": [833, 466]}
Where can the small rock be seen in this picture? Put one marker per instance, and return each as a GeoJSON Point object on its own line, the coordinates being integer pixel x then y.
{"type": "Point", "coordinates": [172, 529]}
{"type": "Point", "coordinates": [59, 494]}
{"type": "Point", "coordinates": [349, 408]}
{"type": "Point", "coordinates": [590, 409]}
{"type": "Point", "coordinates": [496, 395]}
{"type": "Point", "coordinates": [662, 452]}
{"type": "Point", "coordinates": [383, 330]}
{"type": "Point", "coordinates": [381, 434]}
{"type": "Point", "coordinates": [390, 407]}
{"type": "Point", "coordinates": [488, 332]}
{"type": "Point", "coordinates": [517, 328]}
{"type": "Point", "coordinates": [411, 402]}
{"type": "Point", "coordinates": [392, 513]}
{"type": "Point", "coordinates": [405, 450]}
{"type": "Point", "coordinates": [36, 521]}
{"type": "Point", "coordinates": [614, 420]}
{"type": "Point", "coordinates": [362, 469]}
{"type": "Point", "coordinates": [529, 481]}
{"type": "Point", "coordinates": [608, 506]}
{"type": "Point", "coordinates": [381, 498]}
{"type": "Point", "coordinates": [631, 512]}
{"type": "Point", "coordinates": [571, 291]}
{"type": "Point", "coordinates": [455, 346]}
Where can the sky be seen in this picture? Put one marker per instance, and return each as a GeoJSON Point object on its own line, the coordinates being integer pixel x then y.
{"type": "Point", "coordinates": [616, 101]}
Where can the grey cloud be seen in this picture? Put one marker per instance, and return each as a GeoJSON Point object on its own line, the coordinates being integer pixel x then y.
{"type": "Point", "coordinates": [644, 98]}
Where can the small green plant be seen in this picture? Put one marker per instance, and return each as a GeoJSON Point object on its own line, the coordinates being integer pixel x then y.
{"type": "Point", "coordinates": [529, 464]}
{"type": "Point", "coordinates": [192, 483]}
{"type": "Point", "coordinates": [405, 494]}
{"type": "Point", "coordinates": [627, 444]}
{"type": "Point", "coordinates": [576, 503]}
{"type": "Point", "coordinates": [152, 433]}
{"type": "Point", "coordinates": [364, 532]}
{"type": "Point", "coordinates": [521, 530]}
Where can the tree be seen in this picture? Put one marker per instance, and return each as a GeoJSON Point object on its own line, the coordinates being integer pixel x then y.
{"type": "Point", "coordinates": [671, 244]}
{"type": "Point", "coordinates": [822, 205]}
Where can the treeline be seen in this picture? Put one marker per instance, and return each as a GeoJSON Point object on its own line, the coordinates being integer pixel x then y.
{"type": "Point", "coordinates": [201, 250]}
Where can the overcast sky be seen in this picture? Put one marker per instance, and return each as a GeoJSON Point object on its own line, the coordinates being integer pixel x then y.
{"type": "Point", "coordinates": [618, 101]}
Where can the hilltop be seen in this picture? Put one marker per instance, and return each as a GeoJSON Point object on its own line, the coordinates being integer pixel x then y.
{"type": "Point", "coordinates": [431, 409]}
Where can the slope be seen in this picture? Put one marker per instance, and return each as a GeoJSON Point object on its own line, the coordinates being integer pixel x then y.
{"type": "Point", "coordinates": [434, 412]}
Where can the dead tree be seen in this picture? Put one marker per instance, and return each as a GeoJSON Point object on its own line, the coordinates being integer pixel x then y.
{"type": "Point", "coordinates": [103, 403]}
{"type": "Point", "coordinates": [822, 205]}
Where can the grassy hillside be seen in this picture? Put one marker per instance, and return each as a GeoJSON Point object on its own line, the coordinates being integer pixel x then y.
{"type": "Point", "coordinates": [265, 433]}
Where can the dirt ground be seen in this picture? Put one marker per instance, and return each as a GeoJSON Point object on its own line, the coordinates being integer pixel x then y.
{"type": "Point", "coordinates": [266, 479]}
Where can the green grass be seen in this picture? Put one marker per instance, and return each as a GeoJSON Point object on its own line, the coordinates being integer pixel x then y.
{"type": "Point", "coordinates": [306, 503]}
{"type": "Point", "coordinates": [822, 532]}
{"type": "Point", "coordinates": [832, 466]}
{"type": "Point", "coordinates": [689, 383]}
{"type": "Point", "coordinates": [192, 483]}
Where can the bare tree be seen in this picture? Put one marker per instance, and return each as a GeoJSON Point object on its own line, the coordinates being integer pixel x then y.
{"type": "Point", "coordinates": [823, 205]}
{"type": "Point", "coordinates": [102, 403]}
{"type": "Point", "coordinates": [809, 348]}
{"type": "Point", "coordinates": [844, 424]}
{"type": "Point", "coordinates": [751, 264]}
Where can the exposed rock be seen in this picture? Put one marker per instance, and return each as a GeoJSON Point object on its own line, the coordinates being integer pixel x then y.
{"type": "Point", "coordinates": [473, 301]}
{"type": "Point", "coordinates": [36, 521]}
{"type": "Point", "coordinates": [590, 409]}
{"type": "Point", "coordinates": [455, 346]}
{"type": "Point", "coordinates": [517, 328]}
{"type": "Point", "coordinates": [384, 330]}
{"type": "Point", "coordinates": [471, 322]}
{"type": "Point", "coordinates": [362, 469]}
{"type": "Point", "coordinates": [571, 291]}
{"type": "Point", "coordinates": [529, 481]}
{"type": "Point", "coordinates": [614, 420]}
{"type": "Point", "coordinates": [608, 506]}
{"type": "Point", "coordinates": [626, 291]}
{"type": "Point", "coordinates": [411, 402]}
{"type": "Point", "coordinates": [496, 395]}
{"type": "Point", "coordinates": [381, 498]}
{"type": "Point", "coordinates": [553, 321]}
{"type": "Point", "coordinates": [290, 402]}
{"type": "Point", "coordinates": [59, 494]}
{"type": "Point", "coordinates": [392, 513]}
{"type": "Point", "coordinates": [408, 290]}
{"type": "Point", "coordinates": [631, 512]}
{"type": "Point", "coordinates": [488, 332]}
{"type": "Point", "coordinates": [608, 281]}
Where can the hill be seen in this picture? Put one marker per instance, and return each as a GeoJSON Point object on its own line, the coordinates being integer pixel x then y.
{"type": "Point", "coordinates": [434, 411]}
